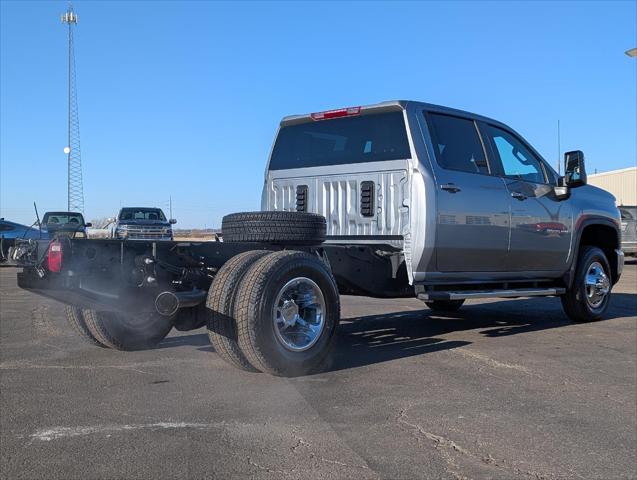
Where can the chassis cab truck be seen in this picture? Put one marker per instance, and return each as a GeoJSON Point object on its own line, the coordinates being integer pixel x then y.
{"type": "Point", "coordinates": [389, 200]}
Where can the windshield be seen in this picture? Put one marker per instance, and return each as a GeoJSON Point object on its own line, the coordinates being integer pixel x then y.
{"type": "Point", "coordinates": [63, 218]}
{"type": "Point", "coordinates": [142, 214]}
{"type": "Point", "coordinates": [365, 138]}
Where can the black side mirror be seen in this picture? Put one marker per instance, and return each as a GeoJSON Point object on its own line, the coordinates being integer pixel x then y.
{"type": "Point", "coordinates": [574, 169]}
{"type": "Point", "coordinates": [172, 221]}
{"type": "Point", "coordinates": [89, 224]}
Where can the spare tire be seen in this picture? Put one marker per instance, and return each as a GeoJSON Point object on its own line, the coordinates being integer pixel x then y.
{"type": "Point", "coordinates": [296, 228]}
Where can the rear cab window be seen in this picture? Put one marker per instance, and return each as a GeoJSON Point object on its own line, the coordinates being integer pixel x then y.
{"type": "Point", "coordinates": [372, 137]}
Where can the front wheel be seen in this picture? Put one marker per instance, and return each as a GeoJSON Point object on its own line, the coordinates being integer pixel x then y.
{"type": "Point", "coordinates": [287, 310]}
{"type": "Point", "coordinates": [588, 297]}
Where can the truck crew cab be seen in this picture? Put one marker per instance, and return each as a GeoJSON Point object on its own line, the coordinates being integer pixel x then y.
{"type": "Point", "coordinates": [389, 200]}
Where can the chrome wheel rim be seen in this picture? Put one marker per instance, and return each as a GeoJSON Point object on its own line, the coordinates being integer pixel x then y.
{"type": "Point", "coordinates": [596, 284]}
{"type": "Point", "coordinates": [299, 314]}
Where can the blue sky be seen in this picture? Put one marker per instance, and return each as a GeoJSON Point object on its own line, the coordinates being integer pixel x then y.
{"type": "Point", "coordinates": [183, 98]}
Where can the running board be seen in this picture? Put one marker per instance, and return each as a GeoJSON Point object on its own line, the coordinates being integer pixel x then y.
{"type": "Point", "coordinates": [508, 293]}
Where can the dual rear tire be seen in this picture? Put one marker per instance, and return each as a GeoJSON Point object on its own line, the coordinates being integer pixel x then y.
{"type": "Point", "coordinates": [117, 330]}
{"type": "Point", "coordinates": [274, 312]}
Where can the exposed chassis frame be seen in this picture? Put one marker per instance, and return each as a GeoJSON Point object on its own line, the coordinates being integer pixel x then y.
{"type": "Point", "coordinates": [128, 275]}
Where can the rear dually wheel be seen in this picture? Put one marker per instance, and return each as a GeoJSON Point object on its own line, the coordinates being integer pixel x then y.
{"type": "Point", "coordinates": [287, 310]}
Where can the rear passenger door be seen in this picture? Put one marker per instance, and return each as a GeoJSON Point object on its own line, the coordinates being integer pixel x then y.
{"type": "Point", "coordinates": [541, 224]}
{"type": "Point", "coordinates": [472, 233]}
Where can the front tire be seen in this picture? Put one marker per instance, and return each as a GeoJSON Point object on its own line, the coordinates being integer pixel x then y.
{"type": "Point", "coordinates": [589, 295]}
{"type": "Point", "coordinates": [287, 310]}
{"type": "Point", "coordinates": [138, 331]}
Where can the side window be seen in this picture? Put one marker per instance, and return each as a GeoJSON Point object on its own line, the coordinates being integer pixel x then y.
{"type": "Point", "coordinates": [517, 161]}
{"type": "Point", "coordinates": [457, 144]}
{"type": "Point", "coordinates": [6, 227]}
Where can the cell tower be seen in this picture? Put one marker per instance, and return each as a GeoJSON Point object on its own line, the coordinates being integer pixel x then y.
{"type": "Point", "coordinates": [72, 150]}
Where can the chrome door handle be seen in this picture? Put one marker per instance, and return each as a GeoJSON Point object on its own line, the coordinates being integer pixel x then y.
{"type": "Point", "coordinates": [518, 195]}
{"type": "Point", "coordinates": [449, 187]}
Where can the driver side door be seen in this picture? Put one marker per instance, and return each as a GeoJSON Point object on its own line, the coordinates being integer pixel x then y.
{"type": "Point", "coordinates": [541, 224]}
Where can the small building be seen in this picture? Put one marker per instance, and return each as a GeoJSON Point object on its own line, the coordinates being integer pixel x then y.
{"type": "Point", "coordinates": [621, 183]}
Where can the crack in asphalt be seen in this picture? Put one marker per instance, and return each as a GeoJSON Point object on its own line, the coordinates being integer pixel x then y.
{"type": "Point", "coordinates": [445, 445]}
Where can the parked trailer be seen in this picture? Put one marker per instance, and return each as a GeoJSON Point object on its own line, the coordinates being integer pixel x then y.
{"type": "Point", "coordinates": [391, 200]}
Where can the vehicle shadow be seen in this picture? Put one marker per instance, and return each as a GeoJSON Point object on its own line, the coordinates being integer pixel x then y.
{"type": "Point", "coordinates": [191, 340]}
{"type": "Point", "coordinates": [371, 339]}
{"type": "Point", "coordinates": [380, 338]}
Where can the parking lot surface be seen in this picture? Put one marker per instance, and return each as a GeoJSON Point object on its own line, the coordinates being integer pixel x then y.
{"type": "Point", "coordinates": [500, 389]}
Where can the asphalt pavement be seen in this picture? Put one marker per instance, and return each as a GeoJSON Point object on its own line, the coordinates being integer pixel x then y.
{"type": "Point", "coordinates": [501, 389]}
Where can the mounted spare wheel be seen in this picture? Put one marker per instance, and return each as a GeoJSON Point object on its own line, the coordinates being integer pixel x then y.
{"type": "Point", "coordinates": [287, 310]}
{"type": "Point", "coordinates": [135, 331]}
{"type": "Point", "coordinates": [298, 228]}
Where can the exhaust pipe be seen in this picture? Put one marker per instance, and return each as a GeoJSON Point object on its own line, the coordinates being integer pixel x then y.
{"type": "Point", "coordinates": [168, 303]}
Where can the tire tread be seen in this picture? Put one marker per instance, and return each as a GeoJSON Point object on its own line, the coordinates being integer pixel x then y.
{"type": "Point", "coordinates": [222, 328]}
{"type": "Point", "coordinates": [248, 297]}
{"type": "Point", "coordinates": [75, 318]}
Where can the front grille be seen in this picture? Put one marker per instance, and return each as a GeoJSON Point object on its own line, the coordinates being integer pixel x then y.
{"type": "Point", "coordinates": [145, 233]}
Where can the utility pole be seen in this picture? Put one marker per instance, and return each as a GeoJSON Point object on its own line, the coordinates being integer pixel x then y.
{"type": "Point", "coordinates": [75, 187]}
{"type": "Point", "coordinates": [170, 201]}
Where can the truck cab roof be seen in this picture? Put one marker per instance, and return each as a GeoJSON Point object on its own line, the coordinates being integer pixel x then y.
{"type": "Point", "coordinates": [392, 105]}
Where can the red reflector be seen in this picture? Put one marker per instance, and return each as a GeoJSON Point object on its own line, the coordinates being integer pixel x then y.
{"type": "Point", "coordinates": [341, 112]}
{"type": "Point", "coordinates": [54, 257]}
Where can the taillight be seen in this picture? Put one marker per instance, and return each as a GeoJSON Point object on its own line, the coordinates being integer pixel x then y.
{"type": "Point", "coordinates": [341, 112]}
{"type": "Point", "coordinates": [54, 257]}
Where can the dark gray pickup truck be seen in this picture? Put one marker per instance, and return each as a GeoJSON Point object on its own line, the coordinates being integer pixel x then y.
{"type": "Point", "coordinates": [395, 199]}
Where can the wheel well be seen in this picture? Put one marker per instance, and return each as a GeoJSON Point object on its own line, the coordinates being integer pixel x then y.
{"type": "Point", "coordinates": [604, 237]}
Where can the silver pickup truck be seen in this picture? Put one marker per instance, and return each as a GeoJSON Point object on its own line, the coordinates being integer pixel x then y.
{"type": "Point", "coordinates": [396, 199]}
{"type": "Point", "coordinates": [473, 209]}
